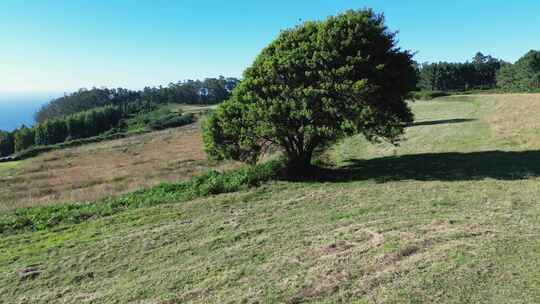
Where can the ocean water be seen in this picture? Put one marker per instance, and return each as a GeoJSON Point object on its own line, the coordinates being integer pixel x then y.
{"type": "Point", "coordinates": [16, 110]}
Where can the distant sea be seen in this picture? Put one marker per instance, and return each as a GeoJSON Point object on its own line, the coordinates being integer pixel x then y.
{"type": "Point", "coordinates": [16, 110]}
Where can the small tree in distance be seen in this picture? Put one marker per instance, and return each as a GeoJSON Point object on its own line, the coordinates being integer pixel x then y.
{"type": "Point", "coordinates": [314, 84]}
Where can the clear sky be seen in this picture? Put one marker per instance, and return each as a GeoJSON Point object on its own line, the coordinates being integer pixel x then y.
{"type": "Point", "coordinates": [62, 45]}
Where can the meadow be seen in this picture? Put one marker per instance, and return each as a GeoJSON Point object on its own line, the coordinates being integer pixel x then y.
{"type": "Point", "coordinates": [449, 216]}
{"type": "Point", "coordinates": [109, 168]}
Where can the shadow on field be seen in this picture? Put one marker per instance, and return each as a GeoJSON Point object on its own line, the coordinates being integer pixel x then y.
{"type": "Point", "coordinates": [438, 166]}
{"type": "Point", "coordinates": [441, 122]}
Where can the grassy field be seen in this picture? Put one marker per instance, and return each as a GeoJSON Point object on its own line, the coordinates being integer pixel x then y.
{"type": "Point", "coordinates": [450, 216]}
{"type": "Point", "coordinates": [9, 169]}
{"type": "Point", "coordinates": [108, 168]}
{"type": "Point", "coordinates": [187, 108]}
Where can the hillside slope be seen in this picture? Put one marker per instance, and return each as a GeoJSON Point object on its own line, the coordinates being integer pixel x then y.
{"type": "Point", "coordinates": [108, 168]}
{"type": "Point", "coordinates": [450, 216]}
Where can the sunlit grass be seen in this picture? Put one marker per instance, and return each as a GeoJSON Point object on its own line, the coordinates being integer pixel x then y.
{"type": "Point", "coordinates": [109, 168]}
{"type": "Point", "coordinates": [450, 216]}
{"type": "Point", "coordinates": [9, 168]}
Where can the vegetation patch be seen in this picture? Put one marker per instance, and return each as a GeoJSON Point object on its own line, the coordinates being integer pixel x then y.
{"type": "Point", "coordinates": [8, 168]}
{"type": "Point", "coordinates": [95, 171]}
{"type": "Point", "coordinates": [36, 150]}
{"type": "Point", "coordinates": [347, 78]}
{"type": "Point", "coordinates": [425, 202]}
{"type": "Point", "coordinates": [427, 95]}
{"type": "Point", "coordinates": [159, 119]}
{"type": "Point", "coordinates": [212, 182]}
{"type": "Point", "coordinates": [143, 122]}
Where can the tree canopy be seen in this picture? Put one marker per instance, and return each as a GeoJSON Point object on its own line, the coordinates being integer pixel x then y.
{"type": "Point", "coordinates": [24, 138]}
{"type": "Point", "coordinates": [314, 84]}
{"type": "Point", "coordinates": [524, 75]}
{"type": "Point", "coordinates": [6, 143]}
{"type": "Point", "coordinates": [207, 91]}
{"type": "Point", "coordinates": [444, 76]}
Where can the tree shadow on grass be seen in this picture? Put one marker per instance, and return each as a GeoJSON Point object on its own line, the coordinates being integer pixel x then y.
{"type": "Point", "coordinates": [441, 122]}
{"type": "Point", "coordinates": [452, 166]}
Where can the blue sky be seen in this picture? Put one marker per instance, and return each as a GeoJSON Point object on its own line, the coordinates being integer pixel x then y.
{"type": "Point", "coordinates": [62, 45]}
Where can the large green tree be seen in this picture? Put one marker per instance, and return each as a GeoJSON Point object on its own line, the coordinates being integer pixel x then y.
{"type": "Point", "coordinates": [314, 84]}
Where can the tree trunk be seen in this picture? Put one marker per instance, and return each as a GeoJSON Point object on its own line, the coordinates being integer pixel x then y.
{"type": "Point", "coordinates": [299, 166]}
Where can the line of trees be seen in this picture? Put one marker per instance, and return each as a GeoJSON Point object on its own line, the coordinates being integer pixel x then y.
{"type": "Point", "coordinates": [81, 125]}
{"type": "Point", "coordinates": [483, 72]}
{"type": "Point", "coordinates": [524, 75]}
{"type": "Point", "coordinates": [480, 73]}
{"type": "Point", "coordinates": [19, 139]}
{"type": "Point", "coordinates": [84, 124]}
{"type": "Point", "coordinates": [88, 113]}
{"type": "Point", "coordinates": [207, 91]}
{"type": "Point", "coordinates": [24, 138]}
{"type": "Point", "coordinates": [83, 100]}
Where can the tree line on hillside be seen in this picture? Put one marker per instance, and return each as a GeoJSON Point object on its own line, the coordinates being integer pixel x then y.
{"type": "Point", "coordinates": [88, 113]}
{"type": "Point", "coordinates": [207, 91]}
{"type": "Point", "coordinates": [482, 73]}
{"type": "Point", "coordinates": [83, 124]}
{"type": "Point", "coordinates": [522, 76]}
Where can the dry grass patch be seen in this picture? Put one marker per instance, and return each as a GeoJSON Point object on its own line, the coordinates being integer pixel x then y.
{"type": "Point", "coordinates": [515, 114]}
{"type": "Point", "coordinates": [95, 171]}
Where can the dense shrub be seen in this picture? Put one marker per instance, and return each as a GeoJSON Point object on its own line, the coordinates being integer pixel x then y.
{"type": "Point", "coordinates": [159, 119]}
{"type": "Point", "coordinates": [171, 121]}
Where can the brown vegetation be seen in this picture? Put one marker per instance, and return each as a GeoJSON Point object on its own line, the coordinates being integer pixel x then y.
{"type": "Point", "coordinates": [516, 114]}
{"type": "Point", "coordinates": [105, 169]}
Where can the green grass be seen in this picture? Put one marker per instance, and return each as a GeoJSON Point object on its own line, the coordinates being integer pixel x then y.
{"type": "Point", "coordinates": [212, 182]}
{"type": "Point", "coordinates": [428, 95]}
{"type": "Point", "coordinates": [450, 216]}
{"type": "Point", "coordinates": [194, 109]}
{"type": "Point", "coordinates": [449, 124]}
{"type": "Point", "coordinates": [9, 168]}
{"type": "Point", "coordinates": [162, 118]}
